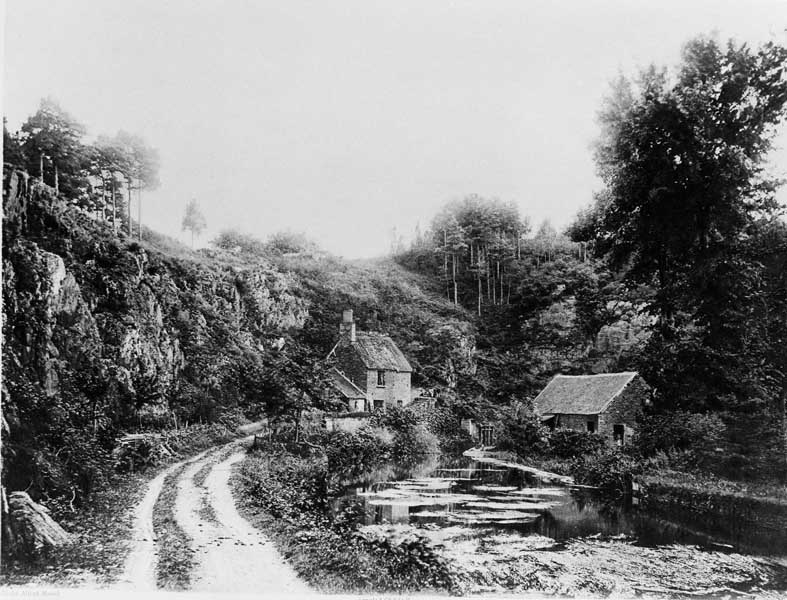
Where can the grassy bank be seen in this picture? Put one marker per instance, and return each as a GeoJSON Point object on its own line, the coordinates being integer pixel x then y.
{"type": "Point", "coordinates": [100, 532]}
{"type": "Point", "coordinates": [287, 497]}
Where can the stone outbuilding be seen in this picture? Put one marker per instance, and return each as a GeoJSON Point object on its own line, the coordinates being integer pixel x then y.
{"type": "Point", "coordinates": [608, 403]}
{"type": "Point", "coordinates": [371, 372]}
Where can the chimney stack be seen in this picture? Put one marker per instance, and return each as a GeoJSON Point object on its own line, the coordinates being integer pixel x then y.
{"type": "Point", "coordinates": [347, 326]}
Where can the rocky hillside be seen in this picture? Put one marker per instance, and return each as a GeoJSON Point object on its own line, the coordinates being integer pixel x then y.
{"type": "Point", "coordinates": [103, 334]}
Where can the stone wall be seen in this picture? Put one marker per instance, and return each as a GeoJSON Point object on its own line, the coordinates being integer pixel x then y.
{"type": "Point", "coordinates": [576, 422]}
{"type": "Point", "coordinates": [625, 409]}
{"type": "Point", "coordinates": [396, 390]}
{"type": "Point", "coordinates": [349, 424]}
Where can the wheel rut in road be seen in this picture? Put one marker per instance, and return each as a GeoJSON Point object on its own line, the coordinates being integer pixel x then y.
{"type": "Point", "coordinates": [230, 555]}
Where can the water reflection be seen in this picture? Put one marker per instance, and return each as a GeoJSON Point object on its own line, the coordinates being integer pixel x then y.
{"type": "Point", "coordinates": [446, 492]}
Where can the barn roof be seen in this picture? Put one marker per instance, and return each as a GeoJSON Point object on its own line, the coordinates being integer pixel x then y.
{"type": "Point", "coordinates": [581, 394]}
{"type": "Point", "coordinates": [346, 387]}
{"type": "Point", "coordinates": [378, 351]}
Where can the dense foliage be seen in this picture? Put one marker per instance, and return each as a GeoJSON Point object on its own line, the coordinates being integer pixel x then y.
{"type": "Point", "coordinates": [689, 209]}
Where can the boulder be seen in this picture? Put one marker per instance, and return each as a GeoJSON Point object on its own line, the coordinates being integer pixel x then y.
{"type": "Point", "coordinates": [28, 527]}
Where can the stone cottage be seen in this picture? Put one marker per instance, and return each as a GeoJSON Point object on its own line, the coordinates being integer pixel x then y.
{"type": "Point", "coordinates": [607, 403]}
{"type": "Point", "coordinates": [371, 372]}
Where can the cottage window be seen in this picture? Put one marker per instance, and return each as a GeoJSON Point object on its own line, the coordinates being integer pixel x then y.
{"type": "Point", "coordinates": [591, 426]}
{"type": "Point", "coordinates": [380, 378]}
{"type": "Point", "coordinates": [379, 405]}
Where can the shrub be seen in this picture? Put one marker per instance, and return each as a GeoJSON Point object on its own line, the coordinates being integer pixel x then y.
{"type": "Point", "coordinates": [411, 437]}
{"type": "Point", "coordinates": [411, 561]}
{"type": "Point", "coordinates": [524, 436]}
{"type": "Point", "coordinates": [445, 425]}
{"type": "Point", "coordinates": [287, 486]}
{"type": "Point", "coordinates": [699, 433]}
{"type": "Point", "coordinates": [355, 452]}
{"type": "Point", "coordinates": [608, 468]}
{"type": "Point", "coordinates": [567, 443]}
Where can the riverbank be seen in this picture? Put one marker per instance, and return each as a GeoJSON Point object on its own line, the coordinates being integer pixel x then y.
{"type": "Point", "coordinates": [480, 528]}
{"type": "Point", "coordinates": [735, 511]}
{"type": "Point", "coordinates": [286, 497]}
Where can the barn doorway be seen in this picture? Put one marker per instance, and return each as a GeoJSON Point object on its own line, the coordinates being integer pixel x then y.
{"type": "Point", "coordinates": [487, 434]}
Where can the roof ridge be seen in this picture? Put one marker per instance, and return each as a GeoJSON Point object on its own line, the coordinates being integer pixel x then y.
{"type": "Point", "coordinates": [599, 374]}
{"type": "Point", "coordinates": [582, 394]}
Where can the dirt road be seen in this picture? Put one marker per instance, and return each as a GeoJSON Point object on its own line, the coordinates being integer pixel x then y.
{"type": "Point", "coordinates": [229, 554]}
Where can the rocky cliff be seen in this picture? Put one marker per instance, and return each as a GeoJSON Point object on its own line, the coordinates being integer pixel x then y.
{"type": "Point", "coordinates": [102, 333]}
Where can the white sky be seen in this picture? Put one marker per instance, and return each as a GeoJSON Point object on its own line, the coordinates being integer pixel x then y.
{"type": "Point", "coordinates": [345, 119]}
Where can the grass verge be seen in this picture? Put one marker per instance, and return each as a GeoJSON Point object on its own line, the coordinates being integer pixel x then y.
{"type": "Point", "coordinates": [175, 553]}
{"type": "Point", "coordinates": [100, 531]}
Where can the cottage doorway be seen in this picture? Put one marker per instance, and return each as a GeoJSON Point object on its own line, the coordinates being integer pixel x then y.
{"type": "Point", "coordinates": [619, 434]}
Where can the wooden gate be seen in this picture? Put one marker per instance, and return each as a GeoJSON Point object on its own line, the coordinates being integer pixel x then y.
{"type": "Point", "coordinates": [487, 435]}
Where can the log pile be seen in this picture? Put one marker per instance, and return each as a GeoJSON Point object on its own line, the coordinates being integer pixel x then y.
{"type": "Point", "coordinates": [27, 527]}
{"type": "Point", "coordinates": [138, 450]}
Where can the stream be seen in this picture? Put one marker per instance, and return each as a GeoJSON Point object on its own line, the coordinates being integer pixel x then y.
{"type": "Point", "coordinates": [510, 530]}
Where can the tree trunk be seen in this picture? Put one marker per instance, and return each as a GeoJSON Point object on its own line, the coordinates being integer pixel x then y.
{"type": "Point", "coordinates": [500, 279]}
{"type": "Point", "coordinates": [41, 166]}
{"type": "Point", "coordinates": [139, 213]}
{"type": "Point", "coordinates": [783, 414]}
{"type": "Point", "coordinates": [57, 180]}
{"type": "Point", "coordinates": [488, 275]}
{"type": "Point", "coordinates": [479, 292]}
{"type": "Point", "coordinates": [114, 209]}
{"type": "Point", "coordinates": [129, 183]}
{"type": "Point", "coordinates": [445, 264]}
{"type": "Point", "coordinates": [453, 274]}
{"type": "Point", "coordinates": [8, 537]}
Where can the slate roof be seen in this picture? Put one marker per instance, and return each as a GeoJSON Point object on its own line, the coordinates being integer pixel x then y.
{"type": "Point", "coordinates": [346, 387]}
{"type": "Point", "coordinates": [378, 351]}
{"type": "Point", "coordinates": [581, 394]}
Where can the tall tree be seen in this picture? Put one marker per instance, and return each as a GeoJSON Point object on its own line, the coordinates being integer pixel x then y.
{"type": "Point", "coordinates": [52, 144]}
{"type": "Point", "coordinates": [683, 163]}
{"type": "Point", "coordinates": [141, 171]}
{"type": "Point", "coordinates": [109, 162]}
{"type": "Point", "coordinates": [686, 207]}
{"type": "Point", "coordinates": [193, 220]}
